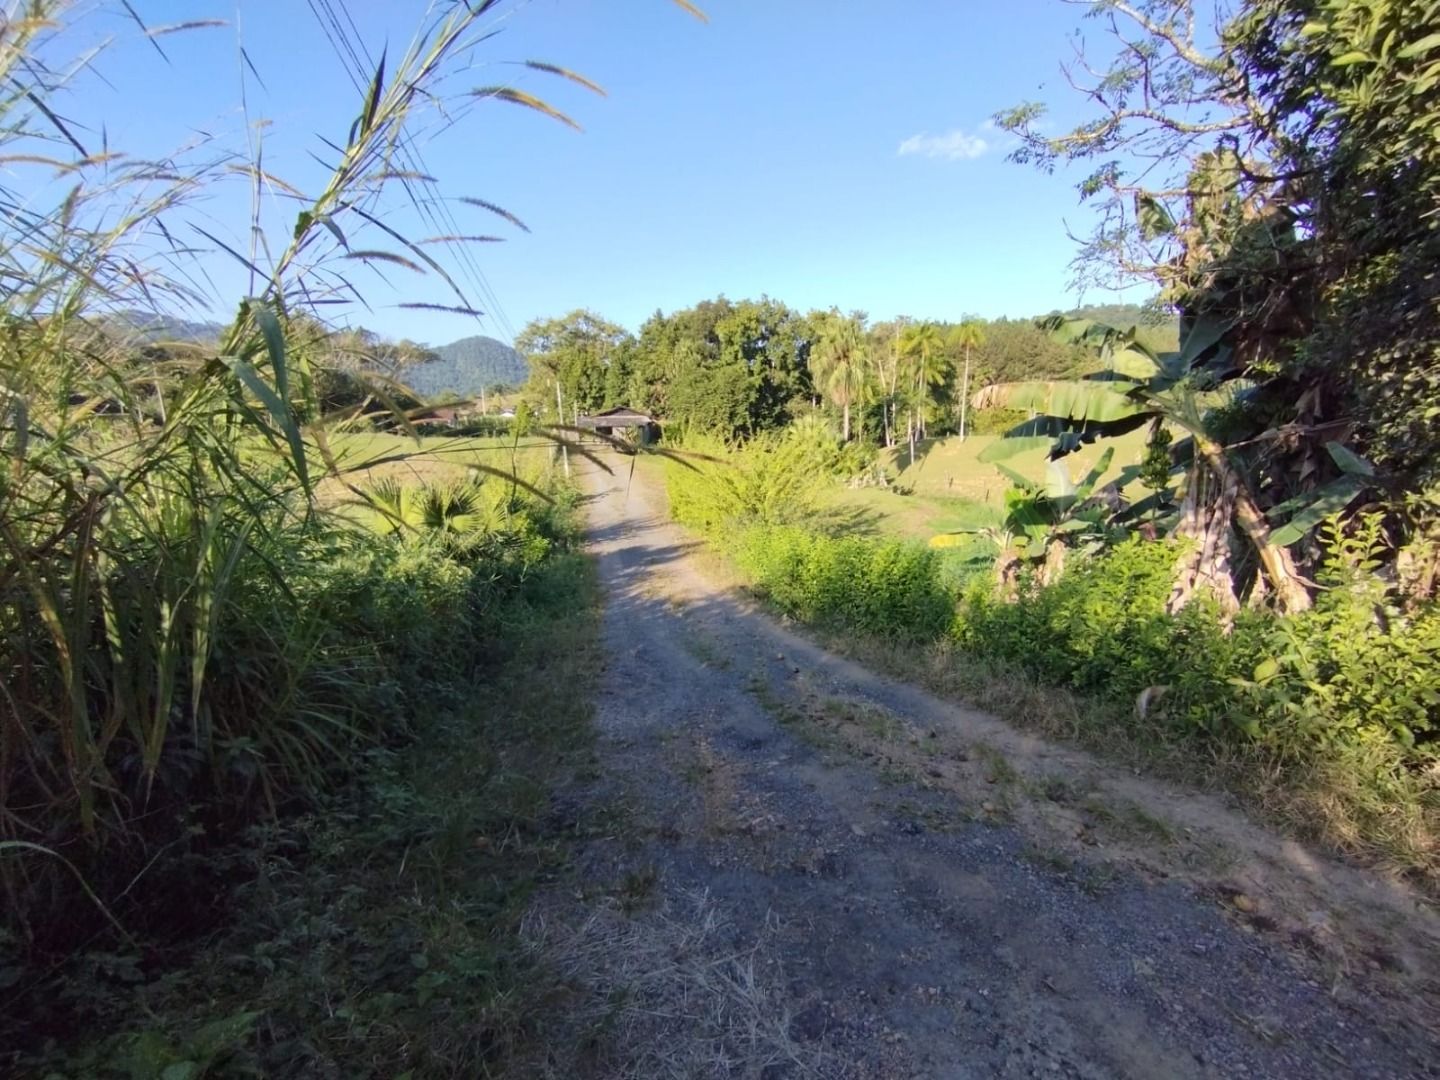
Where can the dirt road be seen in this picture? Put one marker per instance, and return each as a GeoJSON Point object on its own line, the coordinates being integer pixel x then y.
{"type": "Point", "coordinates": [794, 867]}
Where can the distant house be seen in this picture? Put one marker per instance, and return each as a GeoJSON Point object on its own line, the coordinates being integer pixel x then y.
{"type": "Point", "coordinates": [444, 415]}
{"type": "Point", "coordinates": [630, 423]}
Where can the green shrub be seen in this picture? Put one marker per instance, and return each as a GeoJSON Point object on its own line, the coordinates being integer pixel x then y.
{"type": "Point", "coordinates": [885, 587]}
{"type": "Point", "coordinates": [1353, 670]}
{"type": "Point", "coordinates": [717, 490]}
{"type": "Point", "coordinates": [1100, 628]}
{"type": "Point", "coordinates": [996, 421]}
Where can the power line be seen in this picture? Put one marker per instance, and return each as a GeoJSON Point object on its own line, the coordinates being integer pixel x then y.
{"type": "Point", "coordinates": [355, 57]}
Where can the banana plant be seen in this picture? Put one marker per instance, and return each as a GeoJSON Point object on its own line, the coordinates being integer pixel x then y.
{"type": "Point", "coordinates": [1133, 386]}
{"type": "Point", "coordinates": [1037, 516]}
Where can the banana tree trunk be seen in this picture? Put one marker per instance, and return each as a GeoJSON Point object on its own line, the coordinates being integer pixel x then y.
{"type": "Point", "coordinates": [1275, 559]}
{"type": "Point", "coordinates": [1205, 517]}
{"type": "Point", "coordinates": [1239, 503]}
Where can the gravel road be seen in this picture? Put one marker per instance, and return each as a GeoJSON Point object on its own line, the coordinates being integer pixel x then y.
{"type": "Point", "coordinates": [790, 866]}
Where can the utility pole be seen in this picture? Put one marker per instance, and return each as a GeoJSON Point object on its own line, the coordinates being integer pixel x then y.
{"type": "Point", "coordinates": [560, 417]}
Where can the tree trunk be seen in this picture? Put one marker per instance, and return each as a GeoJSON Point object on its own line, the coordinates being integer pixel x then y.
{"type": "Point", "coordinates": [1276, 561]}
{"type": "Point", "coordinates": [1217, 496]}
{"type": "Point", "coordinates": [847, 422]}
{"type": "Point", "coordinates": [1007, 575]}
{"type": "Point", "coordinates": [965, 394]}
{"type": "Point", "coordinates": [1054, 564]}
{"type": "Point", "coordinates": [1205, 517]}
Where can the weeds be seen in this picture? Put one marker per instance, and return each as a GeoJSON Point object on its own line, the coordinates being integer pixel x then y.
{"type": "Point", "coordinates": [193, 648]}
{"type": "Point", "coordinates": [1124, 819]}
{"type": "Point", "coordinates": [379, 933]}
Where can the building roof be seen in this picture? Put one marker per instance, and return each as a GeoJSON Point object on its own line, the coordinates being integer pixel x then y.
{"type": "Point", "coordinates": [624, 416]}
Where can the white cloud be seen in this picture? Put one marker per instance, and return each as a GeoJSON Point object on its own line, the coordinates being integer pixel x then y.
{"type": "Point", "coordinates": [954, 145]}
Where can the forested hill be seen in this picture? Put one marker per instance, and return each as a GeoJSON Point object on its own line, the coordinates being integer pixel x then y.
{"type": "Point", "coordinates": [1159, 330]}
{"type": "Point", "coordinates": [465, 367]}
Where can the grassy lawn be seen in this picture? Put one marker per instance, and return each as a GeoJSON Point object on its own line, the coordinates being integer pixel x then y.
{"type": "Point", "coordinates": [876, 511]}
{"type": "Point", "coordinates": [950, 489]}
{"type": "Point", "coordinates": [952, 468]}
{"type": "Point", "coordinates": [366, 457]}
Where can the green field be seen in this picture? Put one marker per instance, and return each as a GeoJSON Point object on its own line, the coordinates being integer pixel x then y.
{"type": "Point", "coordinates": [366, 457]}
{"type": "Point", "coordinates": [949, 489]}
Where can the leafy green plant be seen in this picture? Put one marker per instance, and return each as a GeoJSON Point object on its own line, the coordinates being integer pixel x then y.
{"type": "Point", "coordinates": [189, 640]}
{"type": "Point", "coordinates": [1039, 516]}
{"type": "Point", "coordinates": [1356, 668]}
{"type": "Point", "coordinates": [772, 481]}
{"type": "Point", "coordinates": [885, 587]}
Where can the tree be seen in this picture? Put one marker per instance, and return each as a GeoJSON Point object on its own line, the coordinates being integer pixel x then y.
{"type": "Point", "coordinates": [573, 351]}
{"type": "Point", "coordinates": [1131, 387]}
{"type": "Point", "coordinates": [967, 336]}
{"type": "Point", "coordinates": [771, 343]}
{"type": "Point", "coordinates": [886, 365]}
{"type": "Point", "coordinates": [840, 364]}
{"type": "Point", "coordinates": [923, 345]}
{"type": "Point", "coordinates": [618, 373]}
{"type": "Point", "coordinates": [755, 352]}
{"type": "Point", "coordinates": [1275, 171]}
{"type": "Point", "coordinates": [1017, 349]}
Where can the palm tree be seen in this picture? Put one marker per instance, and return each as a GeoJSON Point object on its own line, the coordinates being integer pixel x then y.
{"type": "Point", "coordinates": [968, 335]}
{"type": "Point", "coordinates": [886, 369]}
{"type": "Point", "coordinates": [840, 364]}
{"type": "Point", "coordinates": [924, 345]}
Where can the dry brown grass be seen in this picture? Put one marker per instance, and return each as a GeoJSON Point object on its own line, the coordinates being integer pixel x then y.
{"type": "Point", "coordinates": [664, 993]}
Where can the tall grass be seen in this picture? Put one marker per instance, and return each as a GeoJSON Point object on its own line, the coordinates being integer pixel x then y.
{"type": "Point", "coordinates": [183, 629]}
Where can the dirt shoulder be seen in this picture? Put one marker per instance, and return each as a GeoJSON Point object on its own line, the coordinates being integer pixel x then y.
{"type": "Point", "coordinates": [793, 866]}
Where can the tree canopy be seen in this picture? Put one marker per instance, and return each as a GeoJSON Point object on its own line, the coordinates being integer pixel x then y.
{"type": "Point", "coordinates": [1276, 171]}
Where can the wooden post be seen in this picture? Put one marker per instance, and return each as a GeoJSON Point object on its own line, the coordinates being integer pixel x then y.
{"type": "Point", "coordinates": [560, 417]}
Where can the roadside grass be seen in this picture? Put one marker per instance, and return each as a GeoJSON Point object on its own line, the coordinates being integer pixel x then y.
{"type": "Point", "coordinates": [1324, 805]}
{"type": "Point", "coordinates": [379, 934]}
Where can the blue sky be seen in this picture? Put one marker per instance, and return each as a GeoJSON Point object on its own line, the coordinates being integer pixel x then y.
{"type": "Point", "coordinates": [824, 153]}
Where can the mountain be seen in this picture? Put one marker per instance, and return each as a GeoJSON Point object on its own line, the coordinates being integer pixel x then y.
{"type": "Point", "coordinates": [150, 326]}
{"type": "Point", "coordinates": [465, 367]}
